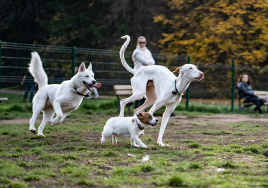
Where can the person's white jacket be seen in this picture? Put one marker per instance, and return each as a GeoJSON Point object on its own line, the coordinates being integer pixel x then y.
{"type": "Point", "coordinates": [142, 57]}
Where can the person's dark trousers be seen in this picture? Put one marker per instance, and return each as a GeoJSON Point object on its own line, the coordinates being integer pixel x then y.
{"type": "Point", "coordinates": [138, 103]}
{"type": "Point", "coordinates": [256, 100]}
{"type": "Point", "coordinates": [29, 87]}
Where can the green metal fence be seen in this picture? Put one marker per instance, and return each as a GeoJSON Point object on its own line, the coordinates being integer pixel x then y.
{"type": "Point", "coordinates": [107, 66]}
{"type": "Point", "coordinates": [219, 82]}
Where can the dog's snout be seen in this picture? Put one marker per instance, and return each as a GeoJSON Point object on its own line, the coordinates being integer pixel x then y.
{"type": "Point", "coordinates": [201, 74]}
{"type": "Point", "coordinates": [94, 82]}
{"type": "Point", "coordinates": [156, 120]}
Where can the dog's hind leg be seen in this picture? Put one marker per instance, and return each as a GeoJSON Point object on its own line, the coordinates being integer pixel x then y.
{"type": "Point", "coordinates": [139, 90]}
{"type": "Point", "coordinates": [57, 108]}
{"type": "Point", "coordinates": [47, 115]}
{"type": "Point", "coordinates": [114, 140]}
{"type": "Point", "coordinates": [64, 116]}
{"type": "Point", "coordinates": [38, 106]}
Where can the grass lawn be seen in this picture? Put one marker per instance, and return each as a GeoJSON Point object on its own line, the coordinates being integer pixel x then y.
{"type": "Point", "coordinates": [206, 149]}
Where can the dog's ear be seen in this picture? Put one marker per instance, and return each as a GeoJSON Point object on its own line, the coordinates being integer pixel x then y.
{"type": "Point", "coordinates": [82, 67]}
{"type": "Point", "coordinates": [139, 115]}
{"type": "Point", "coordinates": [177, 70]}
{"type": "Point", "coordinates": [89, 67]}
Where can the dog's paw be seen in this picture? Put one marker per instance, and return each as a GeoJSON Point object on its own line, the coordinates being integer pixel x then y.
{"type": "Point", "coordinates": [41, 134]}
{"type": "Point", "coordinates": [54, 122]}
{"type": "Point", "coordinates": [135, 146]}
{"type": "Point", "coordinates": [33, 130]}
{"type": "Point", "coordinates": [162, 144]}
{"type": "Point", "coordinates": [144, 146]}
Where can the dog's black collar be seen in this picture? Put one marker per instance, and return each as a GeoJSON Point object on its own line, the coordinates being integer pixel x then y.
{"type": "Point", "coordinates": [176, 91]}
{"type": "Point", "coordinates": [139, 126]}
{"type": "Point", "coordinates": [78, 93]}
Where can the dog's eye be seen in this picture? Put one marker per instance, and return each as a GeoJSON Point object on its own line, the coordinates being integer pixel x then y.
{"type": "Point", "coordinates": [87, 76]}
{"type": "Point", "coordinates": [191, 68]}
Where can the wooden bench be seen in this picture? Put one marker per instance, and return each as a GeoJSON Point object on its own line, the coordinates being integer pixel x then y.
{"type": "Point", "coordinates": [262, 94]}
{"type": "Point", "coordinates": [123, 90]}
{"type": "Point", "coordinates": [3, 99]}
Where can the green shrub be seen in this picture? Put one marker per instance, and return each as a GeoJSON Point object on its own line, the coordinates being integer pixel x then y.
{"type": "Point", "coordinates": [89, 106]}
{"type": "Point", "coordinates": [82, 148]}
{"type": "Point", "coordinates": [195, 165]}
{"type": "Point", "coordinates": [252, 149]}
{"type": "Point", "coordinates": [176, 180]}
{"type": "Point", "coordinates": [110, 153]}
{"type": "Point", "coordinates": [228, 164]}
{"type": "Point", "coordinates": [147, 168]}
{"type": "Point", "coordinates": [108, 104]}
{"type": "Point", "coordinates": [68, 148]}
{"type": "Point", "coordinates": [18, 149]}
{"type": "Point", "coordinates": [194, 145]}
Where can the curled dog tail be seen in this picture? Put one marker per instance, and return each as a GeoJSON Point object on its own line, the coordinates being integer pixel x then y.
{"type": "Point", "coordinates": [122, 56]}
{"type": "Point", "coordinates": [37, 70]}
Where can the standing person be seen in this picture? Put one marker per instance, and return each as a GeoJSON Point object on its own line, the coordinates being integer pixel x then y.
{"type": "Point", "coordinates": [29, 85]}
{"type": "Point", "coordinates": [141, 57]}
{"type": "Point", "coordinates": [247, 94]}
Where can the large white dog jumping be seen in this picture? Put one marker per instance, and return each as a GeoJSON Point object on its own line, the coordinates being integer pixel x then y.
{"type": "Point", "coordinates": [62, 98]}
{"type": "Point", "coordinates": [160, 85]}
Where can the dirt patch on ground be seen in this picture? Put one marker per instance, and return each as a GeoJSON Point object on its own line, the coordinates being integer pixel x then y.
{"type": "Point", "coordinates": [18, 121]}
{"type": "Point", "coordinates": [227, 118]}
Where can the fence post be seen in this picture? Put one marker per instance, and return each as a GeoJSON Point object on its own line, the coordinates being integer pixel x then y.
{"type": "Point", "coordinates": [73, 60]}
{"type": "Point", "coordinates": [233, 85]}
{"type": "Point", "coordinates": [0, 63]}
{"type": "Point", "coordinates": [188, 90]}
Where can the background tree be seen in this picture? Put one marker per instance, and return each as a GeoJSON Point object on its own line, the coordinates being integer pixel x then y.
{"type": "Point", "coordinates": [215, 31]}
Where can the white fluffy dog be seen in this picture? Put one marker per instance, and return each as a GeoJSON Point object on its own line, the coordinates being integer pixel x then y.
{"type": "Point", "coordinates": [160, 85]}
{"type": "Point", "coordinates": [62, 98]}
{"type": "Point", "coordinates": [128, 127]}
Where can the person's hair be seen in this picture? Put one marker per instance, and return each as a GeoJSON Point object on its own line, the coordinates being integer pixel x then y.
{"type": "Point", "coordinates": [141, 37]}
{"type": "Point", "coordinates": [241, 76]}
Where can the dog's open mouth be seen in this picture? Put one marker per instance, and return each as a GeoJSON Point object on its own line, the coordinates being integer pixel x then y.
{"type": "Point", "coordinates": [198, 78]}
{"type": "Point", "coordinates": [152, 124]}
{"type": "Point", "coordinates": [89, 86]}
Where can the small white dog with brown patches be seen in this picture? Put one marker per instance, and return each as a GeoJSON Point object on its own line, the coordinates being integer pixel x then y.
{"type": "Point", "coordinates": [129, 127]}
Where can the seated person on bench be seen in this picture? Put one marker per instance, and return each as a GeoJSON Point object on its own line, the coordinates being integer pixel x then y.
{"type": "Point", "coordinates": [247, 94]}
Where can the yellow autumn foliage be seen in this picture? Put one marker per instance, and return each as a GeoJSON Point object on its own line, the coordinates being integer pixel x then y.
{"type": "Point", "coordinates": [216, 31]}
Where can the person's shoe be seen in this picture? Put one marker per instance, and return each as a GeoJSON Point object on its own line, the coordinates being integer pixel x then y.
{"type": "Point", "coordinates": [173, 115]}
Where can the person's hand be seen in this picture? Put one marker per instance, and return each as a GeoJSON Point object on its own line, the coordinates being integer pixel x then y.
{"type": "Point", "coordinates": [256, 94]}
{"type": "Point", "coordinates": [21, 83]}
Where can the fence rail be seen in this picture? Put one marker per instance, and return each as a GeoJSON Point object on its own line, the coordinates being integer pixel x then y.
{"type": "Point", "coordinates": [219, 81]}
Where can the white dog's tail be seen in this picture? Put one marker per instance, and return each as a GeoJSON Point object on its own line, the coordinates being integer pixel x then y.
{"type": "Point", "coordinates": [37, 70]}
{"type": "Point", "coordinates": [122, 56]}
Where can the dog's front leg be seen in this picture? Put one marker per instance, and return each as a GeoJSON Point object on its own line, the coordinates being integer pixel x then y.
{"type": "Point", "coordinates": [138, 141]}
{"type": "Point", "coordinates": [133, 143]}
{"type": "Point", "coordinates": [58, 111]}
{"type": "Point", "coordinates": [167, 113]}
